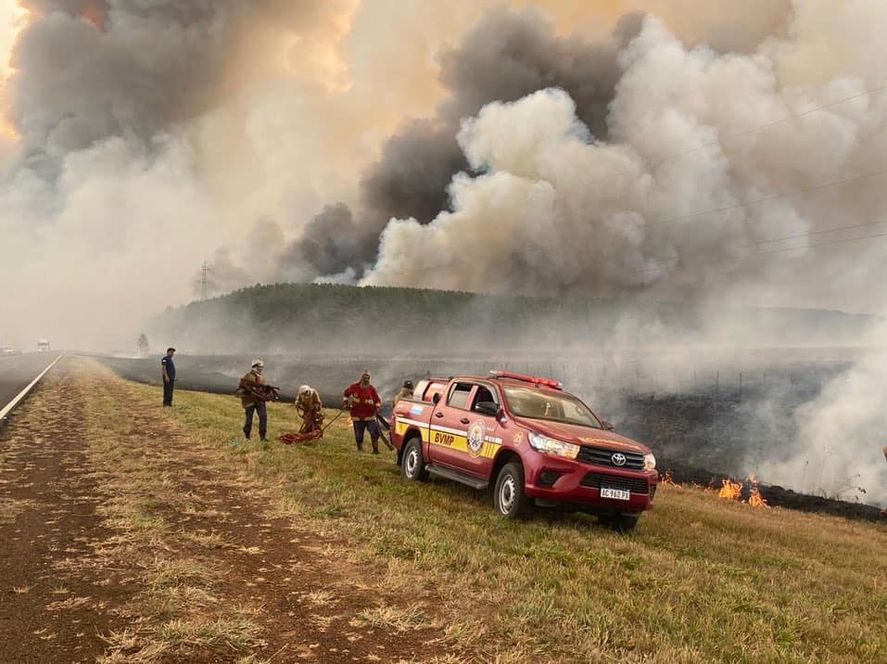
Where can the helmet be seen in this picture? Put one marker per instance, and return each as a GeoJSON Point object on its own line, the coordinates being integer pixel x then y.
{"type": "Point", "coordinates": [408, 384]}
{"type": "Point", "coordinates": [305, 389]}
{"type": "Point", "coordinates": [257, 364]}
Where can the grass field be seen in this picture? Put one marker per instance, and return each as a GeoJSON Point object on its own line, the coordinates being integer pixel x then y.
{"type": "Point", "coordinates": [701, 579]}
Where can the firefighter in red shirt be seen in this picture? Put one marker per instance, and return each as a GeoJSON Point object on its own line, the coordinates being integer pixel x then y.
{"type": "Point", "coordinates": [362, 400]}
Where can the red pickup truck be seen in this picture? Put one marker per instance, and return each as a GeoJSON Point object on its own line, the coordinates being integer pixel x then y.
{"type": "Point", "coordinates": [534, 443]}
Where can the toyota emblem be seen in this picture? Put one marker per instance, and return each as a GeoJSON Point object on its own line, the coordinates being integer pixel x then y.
{"type": "Point", "coordinates": [618, 459]}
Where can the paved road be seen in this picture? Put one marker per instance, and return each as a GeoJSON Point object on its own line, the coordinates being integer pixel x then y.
{"type": "Point", "coordinates": [16, 371]}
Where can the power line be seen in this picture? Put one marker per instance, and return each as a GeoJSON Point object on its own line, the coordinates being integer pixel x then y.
{"type": "Point", "coordinates": [664, 262]}
{"type": "Point", "coordinates": [768, 125]}
{"type": "Point", "coordinates": [769, 197]}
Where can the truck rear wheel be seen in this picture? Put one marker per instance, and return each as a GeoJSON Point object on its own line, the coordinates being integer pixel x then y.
{"type": "Point", "coordinates": [509, 498]}
{"type": "Point", "coordinates": [412, 466]}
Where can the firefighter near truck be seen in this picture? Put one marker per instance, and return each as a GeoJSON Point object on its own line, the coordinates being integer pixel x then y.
{"type": "Point", "coordinates": [531, 442]}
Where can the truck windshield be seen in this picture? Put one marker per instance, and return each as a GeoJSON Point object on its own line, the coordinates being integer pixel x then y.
{"type": "Point", "coordinates": [539, 405]}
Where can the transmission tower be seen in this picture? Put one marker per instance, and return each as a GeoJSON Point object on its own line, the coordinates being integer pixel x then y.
{"type": "Point", "coordinates": [203, 281]}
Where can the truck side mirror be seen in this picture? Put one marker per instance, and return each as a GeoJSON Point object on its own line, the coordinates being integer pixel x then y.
{"type": "Point", "coordinates": [436, 398]}
{"type": "Point", "coordinates": [607, 426]}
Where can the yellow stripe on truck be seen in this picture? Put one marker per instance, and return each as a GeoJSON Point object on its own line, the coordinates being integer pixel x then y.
{"type": "Point", "coordinates": [446, 439]}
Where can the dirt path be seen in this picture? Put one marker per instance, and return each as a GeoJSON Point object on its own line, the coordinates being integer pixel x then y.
{"type": "Point", "coordinates": [49, 611]}
{"type": "Point", "coordinates": [130, 542]}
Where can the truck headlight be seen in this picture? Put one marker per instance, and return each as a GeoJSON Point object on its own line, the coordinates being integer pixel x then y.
{"type": "Point", "coordinates": [649, 462]}
{"type": "Point", "coordinates": [548, 445]}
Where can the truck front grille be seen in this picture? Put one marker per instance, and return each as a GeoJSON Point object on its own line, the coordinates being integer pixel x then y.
{"type": "Point", "coordinates": [602, 457]}
{"type": "Point", "coordinates": [633, 484]}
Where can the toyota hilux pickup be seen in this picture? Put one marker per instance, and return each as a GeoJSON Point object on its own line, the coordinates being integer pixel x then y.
{"type": "Point", "coordinates": [527, 439]}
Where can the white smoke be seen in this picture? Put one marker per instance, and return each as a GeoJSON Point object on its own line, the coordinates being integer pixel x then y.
{"type": "Point", "coordinates": [838, 452]}
{"type": "Point", "coordinates": [551, 210]}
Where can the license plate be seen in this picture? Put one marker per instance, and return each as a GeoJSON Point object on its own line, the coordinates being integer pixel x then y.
{"type": "Point", "coordinates": [615, 494]}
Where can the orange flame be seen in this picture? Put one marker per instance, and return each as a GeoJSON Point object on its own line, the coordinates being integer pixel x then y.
{"type": "Point", "coordinates": [667, 480]}
{"type": "Point", "coordinates": [755, 499]}
{"type": "Point", "coordinates": [732, 490]}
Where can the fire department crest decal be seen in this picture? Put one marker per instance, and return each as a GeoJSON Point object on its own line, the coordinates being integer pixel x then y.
{"type": "Point", "coordinates": [476, 434]}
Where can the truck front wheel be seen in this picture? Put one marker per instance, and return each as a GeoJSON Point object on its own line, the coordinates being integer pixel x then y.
{"type": "Point", "coordinates": [509, 498]}
{"type": "Point", "coordinates": [412, 467]}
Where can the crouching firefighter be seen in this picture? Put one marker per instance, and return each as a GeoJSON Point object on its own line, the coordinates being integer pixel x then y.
{"type": "Point", "coordinates": [254, 394]}
{"type": "Point", "coordinates": [310, 409]}
{"type": "Point", "coordinates": [363, 402]}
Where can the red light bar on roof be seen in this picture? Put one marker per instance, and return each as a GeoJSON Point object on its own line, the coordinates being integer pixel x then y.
{"type": "Point", "coordinates": [535, 380]}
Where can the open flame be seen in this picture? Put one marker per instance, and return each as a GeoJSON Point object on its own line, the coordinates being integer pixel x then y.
{"type": "Point", "coordinates": [667, 479]}
{"type": "Point", "coordinates": [732, 490]}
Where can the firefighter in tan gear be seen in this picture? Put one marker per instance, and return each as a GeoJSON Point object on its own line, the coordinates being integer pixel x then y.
{"type": "Point", "coordinates": [363, 402]}
{"type": "Point", "coordinates": [310, 408]}
{"type": "Point", "coordinates": [405, 392]}
{"type": "Point", "coordinates": [254, 393]}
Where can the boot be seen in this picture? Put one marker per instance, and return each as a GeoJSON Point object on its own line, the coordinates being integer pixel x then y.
{"type": "Point", "coordinates": [375, 448]}
{"type": "Point", "coordinates": [360, 448]}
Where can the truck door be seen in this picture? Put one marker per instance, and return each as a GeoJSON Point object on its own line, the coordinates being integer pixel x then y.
{"type": "Point", "coordinates": [484, 435]}
{"type": "Point", "coordinates": [449, 426]}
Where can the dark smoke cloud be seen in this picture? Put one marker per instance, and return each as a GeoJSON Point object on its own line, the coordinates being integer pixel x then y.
{"type": "Point", "coordinates": [328, 245]}
{"type": "Point", "coordinates": [132, 69]}
{"type": "Point", "coordinates": [147, 68]}
{"type": "Point", "coordinates": [506, 56]}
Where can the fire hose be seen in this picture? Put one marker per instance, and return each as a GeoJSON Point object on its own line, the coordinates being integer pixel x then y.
{"type": "Point", "coordinates": [383, 427]}
{"type": "Point", "coordinates": [290, 438]}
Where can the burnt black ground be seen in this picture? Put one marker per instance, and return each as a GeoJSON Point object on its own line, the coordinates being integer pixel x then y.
{"type": "Point", "coordinates": [703, 428]}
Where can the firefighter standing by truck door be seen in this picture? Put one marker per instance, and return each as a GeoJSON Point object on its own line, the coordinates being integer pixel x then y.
{"type": "Point", "coordinates": [362, 400]}
{"type": "Point", "coordinates": [405, 392]}
{"type": "Point", "coordinates": [252, 397]}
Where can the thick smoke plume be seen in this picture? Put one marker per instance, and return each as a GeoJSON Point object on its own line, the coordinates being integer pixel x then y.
{"type": "Point", "coordinates": [712, 177]}
{"type": "Point", "coordinates": [504, 57]}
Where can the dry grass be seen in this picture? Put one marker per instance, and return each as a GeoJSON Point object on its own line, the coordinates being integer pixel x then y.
{"type": "Point", "coordinates": [177, 616]}
{"type": "Point", "coordinates": [700, 580]}
{"type": "Point", "coordinates": [392, 619]}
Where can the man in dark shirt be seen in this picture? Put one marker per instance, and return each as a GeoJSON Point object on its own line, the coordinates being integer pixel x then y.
{"type": "Point", "coordinates": [169, 375]}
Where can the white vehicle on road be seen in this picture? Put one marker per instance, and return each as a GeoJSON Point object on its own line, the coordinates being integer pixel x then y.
{"type": "Point", "coordinates": [43, 346]}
